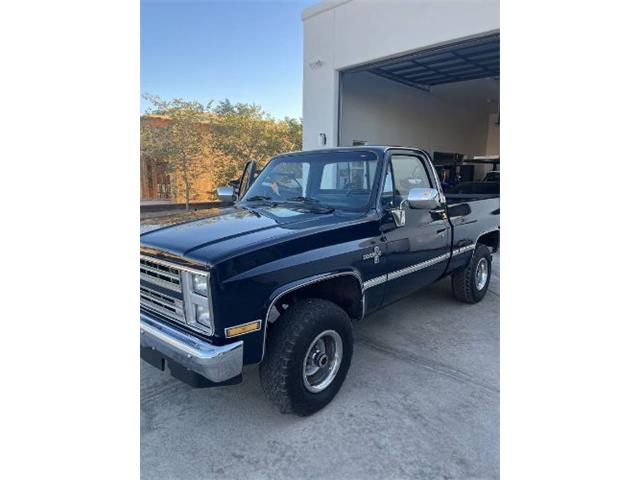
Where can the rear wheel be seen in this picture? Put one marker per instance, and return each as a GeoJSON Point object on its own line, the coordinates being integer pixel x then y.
{"type": "Point", "coordinates": [471, 284]}
{"type": "Point", "coordinates": [308, 355]}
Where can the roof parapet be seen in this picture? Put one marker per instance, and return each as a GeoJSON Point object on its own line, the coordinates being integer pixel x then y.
{"type": "Point", "coordinates": [321, 7]}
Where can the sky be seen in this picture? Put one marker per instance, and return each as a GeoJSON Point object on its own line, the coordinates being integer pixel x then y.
{"type": "Point", "coordinates": [247, 51]}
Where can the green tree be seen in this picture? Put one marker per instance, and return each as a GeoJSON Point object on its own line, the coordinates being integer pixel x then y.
{"type": "Point", "coordinates": [180, 140]}
{"type": "Point", "coordinates": [191, 139]}
{"type": "Point", "coordinates": [245, 132]}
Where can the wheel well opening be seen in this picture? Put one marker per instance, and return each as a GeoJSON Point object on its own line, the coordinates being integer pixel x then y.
{"type": "Point", "coordinates": [491, 239]}
{"type": "Point", "coordinates": [344, 291]}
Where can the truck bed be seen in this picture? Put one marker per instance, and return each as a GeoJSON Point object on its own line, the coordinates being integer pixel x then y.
{"type": "Point", "coordinates": [471, 216]}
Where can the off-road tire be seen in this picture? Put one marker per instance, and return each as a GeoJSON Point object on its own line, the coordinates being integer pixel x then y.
{"type": "Point", "coordinates": [463, 281]}
{"type": "Point", "coordinates": [289, 338]}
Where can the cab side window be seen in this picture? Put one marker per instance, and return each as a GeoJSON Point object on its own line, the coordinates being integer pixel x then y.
{"type": "Point", "coordinates": [387, 189]}
{"type": "Point", "coordinates": [408, 172]}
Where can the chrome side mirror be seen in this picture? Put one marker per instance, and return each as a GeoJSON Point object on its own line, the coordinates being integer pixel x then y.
{"type": "Point", "coordinates": [418, 198]}
{"type": "Point", "coordinates": [226, 194]}
{"type": "Point", "coordinates": [423, 198]}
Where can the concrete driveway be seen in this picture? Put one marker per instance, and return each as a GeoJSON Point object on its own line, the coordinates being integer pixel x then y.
{"type": "Point", "coordinates": [421, 401]}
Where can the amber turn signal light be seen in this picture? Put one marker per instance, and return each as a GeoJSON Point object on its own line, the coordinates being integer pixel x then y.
{"type": "Point", "coordinates": [242, 329]}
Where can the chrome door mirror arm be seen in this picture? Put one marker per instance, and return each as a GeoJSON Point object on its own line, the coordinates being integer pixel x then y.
{"type": "Point", "coordinates": [399, 213]}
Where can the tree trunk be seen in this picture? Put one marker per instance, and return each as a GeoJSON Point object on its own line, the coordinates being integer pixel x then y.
{"type": "Point", "coordinates": [187, 187]}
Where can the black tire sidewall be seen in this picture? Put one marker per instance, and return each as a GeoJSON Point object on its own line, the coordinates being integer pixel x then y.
{"type": "Point", "coordinates": [304, 402]}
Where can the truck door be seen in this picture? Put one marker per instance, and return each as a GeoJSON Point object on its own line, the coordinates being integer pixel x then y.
{"type": "Point", "coordinates": [418, 249]}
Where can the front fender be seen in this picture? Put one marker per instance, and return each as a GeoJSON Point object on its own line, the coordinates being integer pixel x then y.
{"type": "Point", "coordinates": [299, 284]}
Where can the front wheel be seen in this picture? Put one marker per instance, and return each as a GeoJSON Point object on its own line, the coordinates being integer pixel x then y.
{"type": "Point", "coordinates": [308, 355]}
{"type": "Point", "coordinates": [471, 284]}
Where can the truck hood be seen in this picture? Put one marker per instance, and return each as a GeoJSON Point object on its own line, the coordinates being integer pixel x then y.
{"type": "Point", "coordinates": [236, 230]}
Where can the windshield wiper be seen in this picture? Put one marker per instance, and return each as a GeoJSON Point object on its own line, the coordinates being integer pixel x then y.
{"type": "Point", "coordinates": [303, 199]}
{"type": "Point", "coordinates": [310, 202]}
{"type": "Point", "coordinates": [256, 198]}
{"type": "Point", "coordinates": [266, 200]}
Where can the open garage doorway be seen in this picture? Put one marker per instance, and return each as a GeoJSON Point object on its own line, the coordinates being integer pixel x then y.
{"type": "Point", "coordinates": [445, 100]}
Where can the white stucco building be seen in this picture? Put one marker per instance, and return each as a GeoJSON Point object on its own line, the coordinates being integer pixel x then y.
{"type": "Point", "coordinates": [418, 73]}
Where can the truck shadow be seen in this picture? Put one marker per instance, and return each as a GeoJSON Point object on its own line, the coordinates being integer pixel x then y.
{"type": "Point", "coordinates": [424, 376]}
{"type": "Point", "coordinates": [409, 329]}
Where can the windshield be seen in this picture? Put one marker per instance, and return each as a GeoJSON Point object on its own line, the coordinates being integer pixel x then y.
{"type": "Point", "coordinates": [341, 180]}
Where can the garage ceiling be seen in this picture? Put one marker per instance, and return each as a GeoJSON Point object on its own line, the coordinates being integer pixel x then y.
{"type": "Point", "coordinates": [466, 60]}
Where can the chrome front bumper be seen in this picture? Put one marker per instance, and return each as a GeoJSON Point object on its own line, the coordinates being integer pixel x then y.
{"type": "Point", "coordinates": [216, 363]}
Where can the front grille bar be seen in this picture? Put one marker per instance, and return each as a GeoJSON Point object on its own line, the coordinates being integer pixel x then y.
{"type": "Point", "coordinates": [161, 311]}
{"type": "Point", "coordinates": [166, 306]}
{"type": "Point", "coordinates": [159, 274]}
{"type": "Point", "coordinates": [161, 300]}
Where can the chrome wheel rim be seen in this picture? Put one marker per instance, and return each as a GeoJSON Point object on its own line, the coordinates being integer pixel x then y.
{"type": "Point", "coordinates": [482, 273]}
{"type": "Point", "coordinates": [322, 361]}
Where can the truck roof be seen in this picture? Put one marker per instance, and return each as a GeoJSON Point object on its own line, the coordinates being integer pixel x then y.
{"type": "Point", "coordinates": [371, 148]}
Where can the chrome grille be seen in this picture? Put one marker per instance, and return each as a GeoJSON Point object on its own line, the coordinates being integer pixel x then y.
{"type": "Point", "coordinates": [162, 305]}
{"type": "Point", "coordinates": [165, 305]}
{"type": "Point", "coordinates": [161, 293]}
{"type": "Point", "coordinates": [160, 274]}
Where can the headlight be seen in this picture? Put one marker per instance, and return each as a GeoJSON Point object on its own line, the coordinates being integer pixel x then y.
{"type": "Point", "coordinates": [198, 316]}
{"type": "Point", "coordinates": [202, 316]}
{"type": "Point", "coordinates": [197, 309]}
{"type": "Point", "coordinates": [199, 284]}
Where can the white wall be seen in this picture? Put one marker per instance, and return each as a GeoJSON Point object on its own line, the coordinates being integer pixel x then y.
{"type": "Point", "coordinates": [320, 82]}
{"type": "Point", "coordinates": [339, 34]}
{"type": "Point", "coordinates": [493, 136]}
{"type": "Point", "coordinates": [451, 118]}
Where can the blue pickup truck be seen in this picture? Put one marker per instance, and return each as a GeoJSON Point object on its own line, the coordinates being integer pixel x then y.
{"type": "Point", "coordinates": [315, 242]}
